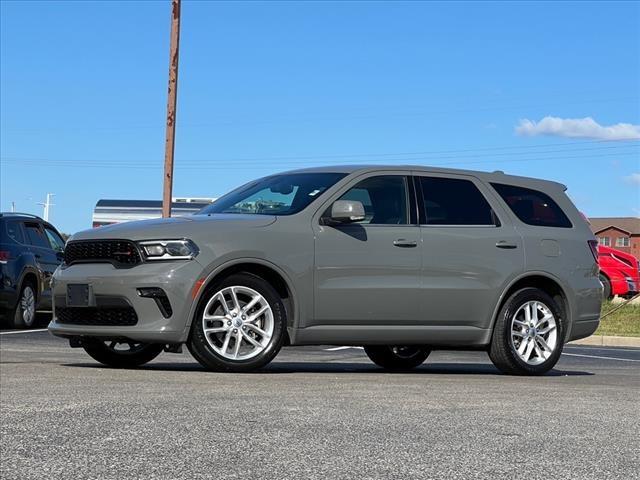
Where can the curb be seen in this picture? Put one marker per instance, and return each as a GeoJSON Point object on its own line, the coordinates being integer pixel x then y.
{"type": "Point", "coordinates": [608, 341]}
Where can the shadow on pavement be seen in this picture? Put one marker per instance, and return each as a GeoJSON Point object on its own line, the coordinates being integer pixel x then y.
{"type": "Point", "coordinates": [41, 321]}
{"type": "Point", "coordinates": [343, 367]}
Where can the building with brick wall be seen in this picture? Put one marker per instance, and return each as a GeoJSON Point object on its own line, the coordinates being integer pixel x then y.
{"type": "Point", "coordinates": [622, 233]}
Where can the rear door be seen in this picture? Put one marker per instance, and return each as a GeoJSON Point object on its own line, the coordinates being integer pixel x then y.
{"type": "Point", "coordinates": [470, 250]}
{"type": "Point", "coordinates": [368, 273]}
{"type": "Point", "coordinates": [47, 259]}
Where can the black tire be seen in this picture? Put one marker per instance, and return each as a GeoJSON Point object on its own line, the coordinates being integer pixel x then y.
{"type": "Point", "coordinates": [397, 357]}
{"type": "Point", "coordinates": [203, 351]}
{"type": "Point", "coordinates": [111, 354]}
{"type": "Point", "coordinates": [502, 350]}
{"type": "Point", "coordinates": [20, 318]}
{"type": "Point", "coordinates": [606, 293]}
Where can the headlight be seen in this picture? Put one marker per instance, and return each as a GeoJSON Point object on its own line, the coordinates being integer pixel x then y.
{"type": "Point", "coordinates": [169, 249]}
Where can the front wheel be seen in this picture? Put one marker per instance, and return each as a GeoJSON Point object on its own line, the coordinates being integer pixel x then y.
{"type": "Point", "coordinates": [397, 357]}
{"type": "Point", "coordinates": [239, 325]}
{"type": "Point", "coordinates": [121, 354]}
{"type": "Point", "coordinates": [527, 338]}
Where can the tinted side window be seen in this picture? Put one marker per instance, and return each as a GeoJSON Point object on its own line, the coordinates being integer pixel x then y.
{"type": "Point", "coordinates": [36, 235]}
{"type": "Point", "coordinates": [14, 231]}
{"type": "Point", "coordinates": [56, 241]}
{"type": "Point", "coordinates": [384, 199]}
{"type": "Point", "coordinates": [532, 207]}
{"type": "Point", "coordinates": [452, 201]}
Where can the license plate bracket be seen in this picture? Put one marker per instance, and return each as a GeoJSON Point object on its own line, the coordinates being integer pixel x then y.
{"type": "Point", "coordinates": [78, 295]}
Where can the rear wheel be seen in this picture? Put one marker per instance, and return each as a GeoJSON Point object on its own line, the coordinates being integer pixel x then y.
{"type": "Point", "coordinates": [24, 315]}
{"type": "Point", "coordinates": [121, 353]}
{"type": "Point", "coordinates": [527, 338]}
{"type": "Point", "coordinates": [606, 293]}
{"type": "Point", "coordinates": [397, 357]}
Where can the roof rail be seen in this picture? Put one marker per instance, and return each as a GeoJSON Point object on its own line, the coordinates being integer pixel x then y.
{"type": "Point", "coordinates": [19, 214]}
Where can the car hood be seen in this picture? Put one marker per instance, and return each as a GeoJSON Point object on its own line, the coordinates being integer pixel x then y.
{"type": "Point", "coordinates": [177, 227]}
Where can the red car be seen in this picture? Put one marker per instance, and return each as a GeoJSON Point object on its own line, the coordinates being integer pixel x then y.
{"type": "Point", "coordinates": [619, 272]}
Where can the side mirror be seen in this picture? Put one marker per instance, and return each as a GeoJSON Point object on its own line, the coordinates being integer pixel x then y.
{"type": "Point", "coordinates": [347, 211]}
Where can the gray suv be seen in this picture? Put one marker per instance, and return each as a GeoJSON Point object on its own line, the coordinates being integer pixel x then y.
{"type": "Point", "coordinates": [400, 260]}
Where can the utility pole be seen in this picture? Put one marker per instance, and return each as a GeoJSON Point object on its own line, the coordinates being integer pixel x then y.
{"type": "Point", "coordinates": [47, 206]}
{"type": "Point", "coordinates": [13, 206]}
{"type": "Point", "coordinates": [174, 49]}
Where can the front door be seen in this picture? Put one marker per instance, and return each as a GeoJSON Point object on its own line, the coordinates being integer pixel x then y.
{"type": "Point", "coordinates": [368, 273]}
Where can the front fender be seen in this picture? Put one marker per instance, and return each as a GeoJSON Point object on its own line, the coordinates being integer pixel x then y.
{"type": "Point", "coordinates": [215, 268]}
{"type": "Point", "coordinates": [618, 283]}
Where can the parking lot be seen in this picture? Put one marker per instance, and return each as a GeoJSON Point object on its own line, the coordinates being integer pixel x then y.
{"type": "Point", "coordinates": [316, 412]}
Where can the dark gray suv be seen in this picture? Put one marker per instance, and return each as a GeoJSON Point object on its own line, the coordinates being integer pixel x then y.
{"type": "Point", "coordinates": [400, 260]}
{"type": "Point", "coordinates": [30, 251]}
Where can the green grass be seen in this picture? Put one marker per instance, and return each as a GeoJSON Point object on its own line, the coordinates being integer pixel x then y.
{"type": "Point", "coordinates": [624, 322]}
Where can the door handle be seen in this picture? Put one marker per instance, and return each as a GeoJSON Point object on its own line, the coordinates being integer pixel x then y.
{"type": "Point", "coordinates": [402, 243]}
{"type": "Point", "coordinates": [507, 245]}
{"type": "Point", "coordinates": [37, 255]}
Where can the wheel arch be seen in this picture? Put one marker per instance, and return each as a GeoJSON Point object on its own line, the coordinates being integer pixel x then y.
{"type": "Point", "coordinates": [31, 276]}
{"type": "Point", "coordinates": [545, 282]}
{"type": "Point", "coordinates": [264, 269]}
{"type": "Point", "coordinates": [604, 274]}
{"type": "Point", "coordinates": [607, 276]}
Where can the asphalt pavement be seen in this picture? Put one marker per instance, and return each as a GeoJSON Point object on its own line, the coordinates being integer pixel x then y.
{"type": "Point", "coordinates": [315, 412]}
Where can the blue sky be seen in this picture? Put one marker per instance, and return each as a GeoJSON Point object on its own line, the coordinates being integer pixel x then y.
{"type": "Point", "coordinates": [266, 87]}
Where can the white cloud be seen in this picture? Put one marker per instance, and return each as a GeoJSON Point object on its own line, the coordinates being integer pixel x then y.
{"type": "Point", "coordinates": [633, 179]}
{"type": "Point", "coordinates": [578, 128]}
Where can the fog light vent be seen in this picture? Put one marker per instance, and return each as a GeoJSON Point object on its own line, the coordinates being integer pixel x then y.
{"type": "Point", "coordinates": [160, 297]}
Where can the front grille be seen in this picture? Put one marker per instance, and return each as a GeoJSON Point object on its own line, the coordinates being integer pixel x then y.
{"type": "Point", "coordinates": [99, 316]}
{"type": "Point", "coordinates": [121, 253]}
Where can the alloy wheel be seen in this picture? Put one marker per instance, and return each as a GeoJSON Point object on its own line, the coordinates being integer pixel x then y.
{"type": "Point", "coordinates": [28, 305]}
{"type": "Point", "coordinates": [406, 352]}
{"type": "Point", "coordinates": [534, 332]}
{"type": "Point", "coordinates": [124, 347]}
{"type": "Point", "coordinates": [238, 323]}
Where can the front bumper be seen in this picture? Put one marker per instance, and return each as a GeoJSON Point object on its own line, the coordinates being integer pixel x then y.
{"type": "Point", "coordinates": [632, 286]}
{"type": "Point", "coordinates": [176, 278]}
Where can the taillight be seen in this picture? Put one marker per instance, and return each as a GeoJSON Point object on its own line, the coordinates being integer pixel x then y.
{"type": "Point", "coordinates": [4, 256]}
{"type": "Point", "coordinates": [593, 245]}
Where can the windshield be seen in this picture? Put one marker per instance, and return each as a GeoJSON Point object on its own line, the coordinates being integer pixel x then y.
{"type": "Point", "coordinates": [277, 195]}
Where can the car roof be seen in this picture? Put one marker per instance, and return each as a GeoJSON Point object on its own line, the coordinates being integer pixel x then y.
{"type": "Point", "coordinates": [495, 176]}
{"type": "Point", "coordinates": [19, 215]}
{"type": "Point", "coordinates": [28, 217]}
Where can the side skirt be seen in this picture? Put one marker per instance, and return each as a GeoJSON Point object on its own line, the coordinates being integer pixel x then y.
{"type": "Point", "coordinates": [449, 336]}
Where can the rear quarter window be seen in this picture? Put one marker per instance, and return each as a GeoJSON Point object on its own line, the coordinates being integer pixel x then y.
{"type": "Point", "coordinates": [532, 206]}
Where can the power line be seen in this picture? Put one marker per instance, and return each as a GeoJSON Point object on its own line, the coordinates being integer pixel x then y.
{"type": "Point", "coordinates": [398, 156]}
{"type": "Point", "coordinates": [217, 166]}
{"type": "Point", "coordinates": [330, 116]}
